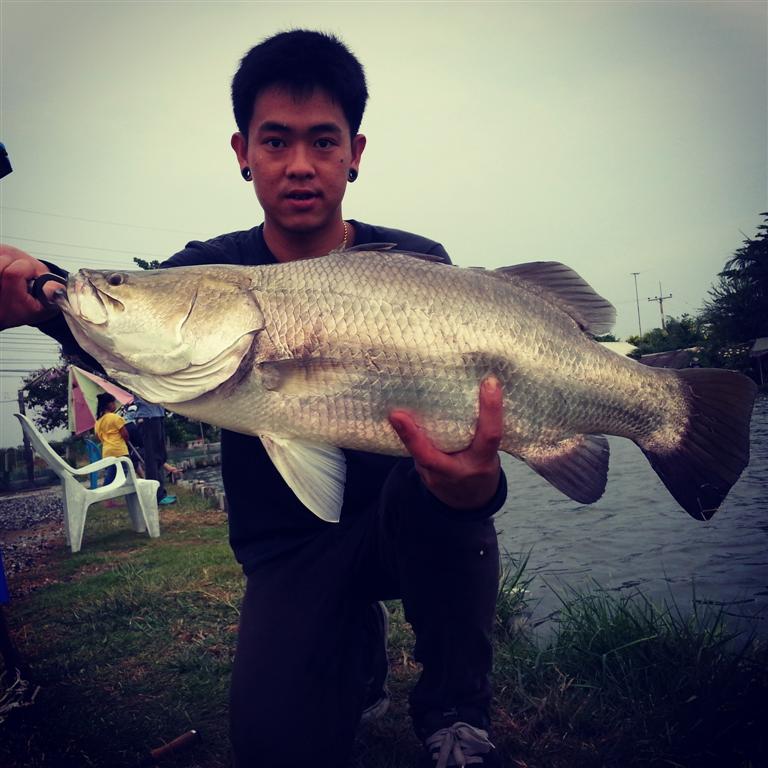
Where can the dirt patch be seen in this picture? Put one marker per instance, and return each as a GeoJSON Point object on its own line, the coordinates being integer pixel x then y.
{"type": "Point", "coordinates": [179, 515]}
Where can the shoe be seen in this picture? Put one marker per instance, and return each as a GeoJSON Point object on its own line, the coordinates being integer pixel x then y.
{"type": "Point", "coordinates": [460, 744]}
{"type": "Point", "coordinates": [167, 500]}
{"type": "Point", "coordinates": [377, 697]}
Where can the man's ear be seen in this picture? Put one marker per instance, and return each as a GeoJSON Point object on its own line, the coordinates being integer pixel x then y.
{"type": "Point", "coordinates": [358, 145]}
{"type": "Point", "coordinates": [240, 145]}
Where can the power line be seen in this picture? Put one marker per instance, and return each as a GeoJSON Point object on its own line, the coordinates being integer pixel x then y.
{"type": "Point", "coordinates": [15, 337]}
{"type": "Point", "coordinates": [32, 346]}
{"type": "Point", "coordinates": [6, 352]}
{"type": "Point", "coordinates": [85, 247]}
{"type": "Point", "coordinates": [5, 374]}
{"type": "Point", "coordinates": [16, 333]}
{"type": "Point", "coordinates": [11, 344]}
{"type": "Point", "coordinates": [91, 260]}
{"type": "Point", "coordinates": [25, 342]}
{"type": "Point", "coordinates": [7, 349]}
{"type": "Point", "coordinates": [99, 221]}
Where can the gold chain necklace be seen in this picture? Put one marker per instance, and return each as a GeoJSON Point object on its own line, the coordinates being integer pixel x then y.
{"type": "Point", "coordinates": [346, 234]}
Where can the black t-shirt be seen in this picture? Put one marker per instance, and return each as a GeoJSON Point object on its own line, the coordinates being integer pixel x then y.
{"type": "Point", "coordinates": [265, 517]}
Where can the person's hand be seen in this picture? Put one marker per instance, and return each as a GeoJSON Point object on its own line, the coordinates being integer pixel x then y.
{"type": "Point", "coordinates": [467, 479]}
{"type": "Point", "coordinates": [17, 307]}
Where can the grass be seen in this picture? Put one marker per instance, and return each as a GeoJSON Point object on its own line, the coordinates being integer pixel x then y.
{"type": "Point", "coordinates": [626, 682]}
{"type": "Point", "coordinates": [132, 639]}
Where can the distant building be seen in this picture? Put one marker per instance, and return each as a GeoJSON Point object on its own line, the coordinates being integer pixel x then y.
{"type": "Point", "coordinates": [619, 347]}
{"type": "Point", "coordinates": [675, 358]}
{"type": "Point", "coordinates": [759, 352]}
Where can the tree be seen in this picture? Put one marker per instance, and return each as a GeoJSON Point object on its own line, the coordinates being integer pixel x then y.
{"type": "Point", "coordinates": [180, 430]}
{"type": "Point", "coordinates": [679, 334]}
{"type": "Point", "coordinates": [144, 264]}
{"type": "Point", "coordinates": [737, 310]}
{"type": "Point", "coordinates": [46, 390]}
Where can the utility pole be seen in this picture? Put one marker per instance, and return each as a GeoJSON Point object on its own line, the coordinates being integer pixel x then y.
{"type": "Point", "coordinates": [660, 298]}
{"type": "Point", "coordinates": [29, 459]}
{"type": "Point", "coordinates": [637, 300]}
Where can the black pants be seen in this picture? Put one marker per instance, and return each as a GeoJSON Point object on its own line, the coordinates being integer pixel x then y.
{"type": "Point", "coordinates": [304, 649]}
{"type": "Point", "coordinates": [153, 442]}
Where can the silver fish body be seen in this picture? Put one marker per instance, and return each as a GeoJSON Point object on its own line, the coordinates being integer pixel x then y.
{"type": "Point", "coordinates": [313, 355]}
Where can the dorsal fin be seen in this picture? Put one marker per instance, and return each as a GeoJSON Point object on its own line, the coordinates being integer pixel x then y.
{"type": "Point", "coordinates": [561, 285]}
{"type": "Point", "coordinates": [370, 247]}
{"type": "Point", "coordinates": [389, 248]}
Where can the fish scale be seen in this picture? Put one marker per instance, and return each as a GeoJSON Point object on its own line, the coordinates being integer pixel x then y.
{"type": "Point", "coordinates": [313, 355]}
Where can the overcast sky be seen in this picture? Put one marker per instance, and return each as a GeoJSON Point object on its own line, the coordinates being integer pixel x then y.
{"type": "Point", "coordinates": [616, 137]}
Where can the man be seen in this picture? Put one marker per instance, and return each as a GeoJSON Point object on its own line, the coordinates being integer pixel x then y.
{"type": "Point", "coordinates": [150, 420]}
{"type": "Point", "coordinates": [311, 658]}
{"type": "Point", "coordinates": [135, 446]}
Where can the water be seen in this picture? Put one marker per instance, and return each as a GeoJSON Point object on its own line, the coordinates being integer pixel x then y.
{"type": "Point", "coordinates": [636, 537]}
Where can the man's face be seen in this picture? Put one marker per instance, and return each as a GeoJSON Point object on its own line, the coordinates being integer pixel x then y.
{"type": "Point", "coordinates": [299, 151]}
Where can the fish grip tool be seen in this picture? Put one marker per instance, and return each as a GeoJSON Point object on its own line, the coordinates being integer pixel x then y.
{"type": "Point", "coordinates": [35, 287]}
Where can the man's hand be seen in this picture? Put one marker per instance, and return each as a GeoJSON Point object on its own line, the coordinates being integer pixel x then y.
{"type": "Point", "coordinates": [17, 307]}
{"type": "Point", "coordinates": [467, 479]}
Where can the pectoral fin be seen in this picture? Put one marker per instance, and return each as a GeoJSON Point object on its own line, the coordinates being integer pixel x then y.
{"type": "Point", "coordinates": [577, 466]}
{"type": "Point", "coordinates": [314, 377]}
{"type": "Point", "coordinates": [316, 473]}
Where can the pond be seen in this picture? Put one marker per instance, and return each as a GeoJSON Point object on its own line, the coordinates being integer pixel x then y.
{"type": "Point", "coordinates": [636, 536]}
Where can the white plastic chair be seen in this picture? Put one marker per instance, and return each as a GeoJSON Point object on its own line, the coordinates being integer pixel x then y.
{"type": "Point", "coordinates": [140, 495]}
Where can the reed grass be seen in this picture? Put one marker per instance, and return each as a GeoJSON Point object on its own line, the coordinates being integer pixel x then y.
{"type": "Point", "coordinates": [132, 642]}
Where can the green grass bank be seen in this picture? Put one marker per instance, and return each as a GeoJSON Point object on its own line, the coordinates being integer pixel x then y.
{"type": "Point", "coordinates": [131, 641]}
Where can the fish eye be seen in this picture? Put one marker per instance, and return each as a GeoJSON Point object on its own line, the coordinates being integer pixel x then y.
{"type": "Point", "coordinates": [116, 278]}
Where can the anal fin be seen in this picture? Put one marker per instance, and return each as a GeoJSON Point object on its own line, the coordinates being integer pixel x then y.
{"type": "Point", "coordinates": [315, 472]}
{"type": "Point", "coordinates": [576, 466]}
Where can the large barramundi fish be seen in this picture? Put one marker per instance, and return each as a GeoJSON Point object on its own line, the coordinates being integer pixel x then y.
{"type": "Point", "coordinates": [313, 355]}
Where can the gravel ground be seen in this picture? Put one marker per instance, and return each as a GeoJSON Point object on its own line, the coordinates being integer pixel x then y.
{"type": "Point", "coordinates": [23, 510]}
{"type": "Point", "coordinates": [31, 525]}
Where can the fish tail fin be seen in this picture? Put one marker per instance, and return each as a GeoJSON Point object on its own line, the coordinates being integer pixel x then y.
{"type": "Point", "coordinates": [713, 450]}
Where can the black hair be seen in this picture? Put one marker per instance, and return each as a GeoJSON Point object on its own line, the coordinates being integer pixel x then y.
{"type": "Point", "coordinates": [102, 401]}
{"type": "Point", "coordinates": [301, 61]}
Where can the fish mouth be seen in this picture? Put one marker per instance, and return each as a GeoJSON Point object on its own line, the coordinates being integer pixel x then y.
{"type": "Point", "coordinates": [81, 291]}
